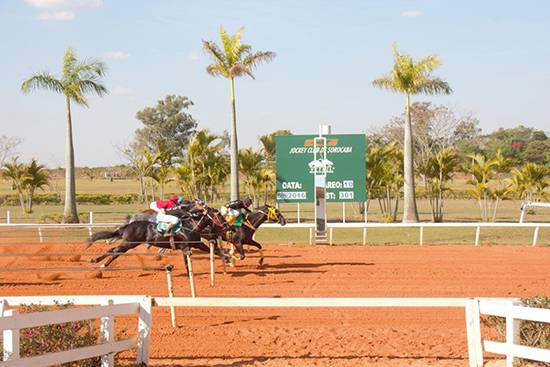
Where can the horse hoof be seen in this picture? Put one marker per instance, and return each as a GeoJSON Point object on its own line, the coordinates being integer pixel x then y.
{"type": "Point", "coordinates": [103, 266]}
{"type": "Point", "coordinates": [93, 261]}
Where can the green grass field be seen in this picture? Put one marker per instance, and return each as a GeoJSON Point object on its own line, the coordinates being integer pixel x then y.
{"type": "Point", "coordinates": [462, 210]}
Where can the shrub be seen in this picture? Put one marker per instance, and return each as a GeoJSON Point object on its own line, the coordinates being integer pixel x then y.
{"type": "Point", "coordinates": [532, 334]}
{"type": "Point", "coordinates": [58, 337]}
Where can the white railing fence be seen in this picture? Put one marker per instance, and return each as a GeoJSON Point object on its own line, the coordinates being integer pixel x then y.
{"type": "Point", "coordinates": [109, 307]}
{"type": "Point", "coordinates": [514, 313]}
{"type": "Point", "coordinates": [42, 228]}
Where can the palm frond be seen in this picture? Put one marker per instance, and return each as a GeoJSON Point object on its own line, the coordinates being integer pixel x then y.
{"type": "Point", "coordinates": [91, 86]}
{"type": "Point", "coordinates": [69, 62]}
{"type": "Point", "coordinates": [434, 86]}
{"type": "Point", "coordinates": [42, 81]}
{"type": "Point", "coordinates": [386, 82]}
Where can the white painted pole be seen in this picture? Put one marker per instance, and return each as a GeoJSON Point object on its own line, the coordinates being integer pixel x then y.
{"type": "Point", "coordinates": [310, 236]}
{"type": "Point", "coordinates": [107, 335]}
{"type": "Point", "coordinates": [421, 235]}
{"type": "Point", "coordinates": [364, 236]}
{"type": "Point", "coordinates": [41, 238]}
{"type": "Point", "coordinates": [10, 340]}
{"type": "Point", "coordinates": [512, 337]}
{"type": "Point", "coordinates": [171, 294]}
{"type": "Point", "coordinates": [191, 277]}
{"type": "Point", "coordinates": [366, 212]}
{"type": "Point", "coordinates": [535, 235]}
{"type": "Point", "coordinates": [473, 334]}
{"type": "Point", "coordinates": [330, 232]}
{"type": "Point", "coordinates": [298, 213]}
{"type": "Point", "coordinates": [211, 263]}
{"type": "Point", "coordinates": [522, 214]}
{"type": "Point", "coordinates": [91, 220]}
{"type": "Point", "coordinates": [144, 331]}
{"type": "Point", "coordinates": [8, 217]}
{"type": "Point", "coordinates": [343, 212]}
{"type": "Point", "coordinates": [478, 230]}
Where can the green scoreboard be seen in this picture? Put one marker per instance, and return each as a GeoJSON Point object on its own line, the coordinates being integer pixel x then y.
{"type": "Point", "coordinates": [345, 167]}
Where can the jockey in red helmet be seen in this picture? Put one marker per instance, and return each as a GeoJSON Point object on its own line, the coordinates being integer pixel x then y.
{"type": "Point", "coordinates": [160, 206]}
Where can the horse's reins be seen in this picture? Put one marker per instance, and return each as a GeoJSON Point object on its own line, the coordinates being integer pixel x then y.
{"type": "Point", "coordinates": [271, 214]}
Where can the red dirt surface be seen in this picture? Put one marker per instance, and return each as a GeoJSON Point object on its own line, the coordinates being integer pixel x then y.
{"type": "Point", "coordinates": [308, 337]}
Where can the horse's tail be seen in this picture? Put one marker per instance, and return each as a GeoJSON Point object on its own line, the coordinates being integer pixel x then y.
{"type": "Point", "coordinates": [105, 235]}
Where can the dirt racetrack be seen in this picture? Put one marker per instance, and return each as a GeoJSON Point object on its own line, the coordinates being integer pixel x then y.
{"type": "Point", "coordinates": [309, 337]}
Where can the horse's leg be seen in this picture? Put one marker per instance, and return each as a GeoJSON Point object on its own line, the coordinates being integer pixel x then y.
{"type": "Point", "coordinates": [120, 249]}
{"type": "Point", "coordinates": [239, 243]}
{"type": "Point", "coordinates": [252, 242]}
{"type": "Point", "coordinates": [107, 254]}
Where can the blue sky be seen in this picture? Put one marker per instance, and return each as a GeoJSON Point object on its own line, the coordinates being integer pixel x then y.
{"type": "Point", "coordinates": [495, 56]}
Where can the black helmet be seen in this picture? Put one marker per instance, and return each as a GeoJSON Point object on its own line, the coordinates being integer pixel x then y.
{"type": "Point", "coordinates": [247, 201]}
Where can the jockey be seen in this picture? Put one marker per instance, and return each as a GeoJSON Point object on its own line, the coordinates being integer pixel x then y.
{"type": "Point", "coordinates": [160, 207]}
{"type": "Point", "coordinates": [232, 211]}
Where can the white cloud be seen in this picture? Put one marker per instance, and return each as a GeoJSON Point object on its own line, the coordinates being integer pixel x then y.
{"type": "Point", "coordinates": [58, 15]}
{"type": "Point", "coordinates": [59, 10]}
{"type": "Point", "coordinates": [116, 55]}
{"type": "Point", "coordinates": [65, 4]}
{"type": "Point", "coordinates": [411, 13]}
{"type": "Point", "coordinates": [122, 91]}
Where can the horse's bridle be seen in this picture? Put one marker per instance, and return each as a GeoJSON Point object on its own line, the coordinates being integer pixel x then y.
{"type": "Point", "coordinates": [271, 215]}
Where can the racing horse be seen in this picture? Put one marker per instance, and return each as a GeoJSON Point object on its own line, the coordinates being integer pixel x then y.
{"type": "Point", "coordinates": [244, 235]}
{"type": "Point", "coordinates": [140, 232]}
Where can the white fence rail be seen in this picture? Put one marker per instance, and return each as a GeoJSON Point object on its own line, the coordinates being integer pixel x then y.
{"type": "Point", "coordinates": [331, 226]}
{"type": "Point", "coordinates": [514, 313]}
{"type": "Point", "coordinates": [110, 306]}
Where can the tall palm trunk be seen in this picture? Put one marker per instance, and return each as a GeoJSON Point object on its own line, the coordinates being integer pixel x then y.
{"type": "Point", "coordinates": [234, 148]}
{"type": "Point", "coordinates": [410, 213]}
{"type": "Point", "coordinates": [70, 215]}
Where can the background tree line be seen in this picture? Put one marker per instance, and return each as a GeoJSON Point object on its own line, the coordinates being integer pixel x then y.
{"type": "Point", "coordinates": [507, 163]}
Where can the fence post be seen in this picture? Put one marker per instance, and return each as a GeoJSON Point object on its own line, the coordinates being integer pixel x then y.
{"type": "Point", "coordinates": [364, 236]}
{"type": "Point", "coordinates": [144, 331]}
{"type": "Point", "coordinates": [535, 235]}
{"type": "Point", "coordinates": [512, 337]}
{"type": "Point", "coordinates": [107, 335]}
{"type": "Point", "coordinates": [478, 229]}
{"type": "Point", "coordinates": [298, 212]}
{"type": "Point", "coordinates": [10, 340]}
{"type": "Point", "coordinates": [310, 236]}
{"type": "Point", "coordinates": [330, 236]}
{"type": "Point", "coordinates": [421, 235]}
{"type": "Point", "coordinates": [40, 235]}
{"type": "Point", "coordinates": [343, 212]}
{"type": "Point", "coordinates": [91, 222]}
{"type": "Point", "coordinates": [473, 333]}
{"type": "Point", "coordinates": [8, 217]}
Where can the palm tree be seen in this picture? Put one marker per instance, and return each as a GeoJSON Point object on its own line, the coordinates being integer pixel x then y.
{"type": "Point", "coordinates": [16, 172]}
{"type": "Point", "coordinates": [268, 144]}
{"type": "Point", "coordinates": [384, 178]}
{"type": "Point", "coordinates": [411, 77]}
{"type": "Point", "coordinates": [502, 167]}
{"type": "Point", "coordinates": [77, 79]}
{"type": "Point", "coordinates": [26, 178]}
{"type": "Point", "coordinates": [529, 181]}
{"type": "Point", "coordinates": [232, 60]}
{"type": "Point", "coordinates": [251, 165]}
{"type": "Point", "coordinates": [201, 157]}
{"type": "Point", "coordinates": [482, 171]}
{"type": "Point", "coordinates": [438, 170]}
{"type": "Point", "coordinates": [37, 178]}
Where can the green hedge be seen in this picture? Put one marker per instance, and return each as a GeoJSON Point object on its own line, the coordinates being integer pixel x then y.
{"type": "Point", "coordinates": [84, 198]}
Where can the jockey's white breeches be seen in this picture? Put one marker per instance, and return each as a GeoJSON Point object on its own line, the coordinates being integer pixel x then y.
{"type": "Point", "coordinates": [161, 217]}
